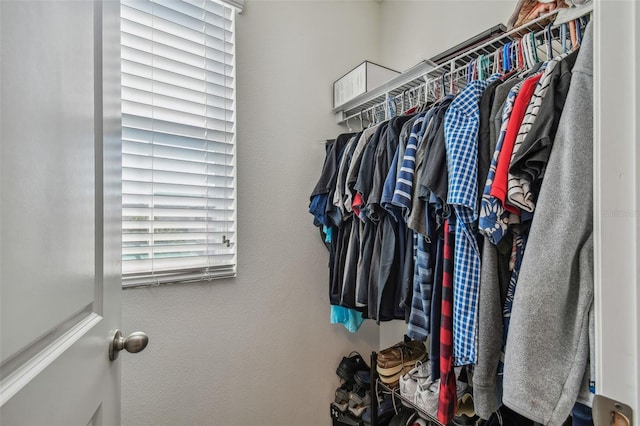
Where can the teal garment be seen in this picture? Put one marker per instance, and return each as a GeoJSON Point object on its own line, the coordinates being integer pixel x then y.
{"type": "Point", "coordinates": [327, 233]}
{"type": "Point", "coordinates": [351, 319]}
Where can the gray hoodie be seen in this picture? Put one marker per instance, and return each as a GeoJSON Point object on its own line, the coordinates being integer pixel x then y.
{"type": "Point", "coordinates": [547, 350]}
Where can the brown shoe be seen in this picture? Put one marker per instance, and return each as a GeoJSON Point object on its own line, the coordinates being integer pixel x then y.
{"type": "Point", "coordinates": [405, 354]}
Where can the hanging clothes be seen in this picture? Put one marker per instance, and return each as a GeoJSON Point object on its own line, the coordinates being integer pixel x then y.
{"type": "Point", "coordinates": [546, 360]}
{"type": "Point", "coordinates": [529, 163]}
{"type": "Point", "coordinates": [441, 217]}
{"type": "Point", "coordinates": [447, 403]}
{"type": "Point", "coordinates": [461, 140]}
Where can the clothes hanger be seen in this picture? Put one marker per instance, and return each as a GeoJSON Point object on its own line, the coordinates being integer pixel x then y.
{"type": "Point", "coordinates": [452, 83]}
{"type": "Point", "coordinates": [574, 35]}
{"type": "Point", "coordinates": [528, 56]}
{"type": "Point", "coordinates": [506, 57]}
{"type": "Point", "coordinates": [475, 69]}
{"type": "Point", "coordinates": [426, 94]}
{"type": "Point", "coordinates": [563, 37]}
{"type": "Point", "coordinates": [522, 52]}
{"type": "Point", "coordinates": [469, 71]}
{"type": "Point", "coordinates": [348, 125]}
{"type": "Point", "coordinates": [534, 47]}
{"type": "Point", "coordinates": [548, 38]}
{"type": "Point", "coordinates": [485, 65]}
{"type": "Point", "coordinates": [390, 110]}
{"type": "Point", "coordinates": [431, 89]}
{"type": "Point", "coordinates": [579, 31]}
{"type": "Point", "coordinates": [496, 65]}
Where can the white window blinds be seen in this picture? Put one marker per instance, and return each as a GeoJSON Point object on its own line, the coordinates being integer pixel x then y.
{"type": "Point", "coordinates": [178, 141]}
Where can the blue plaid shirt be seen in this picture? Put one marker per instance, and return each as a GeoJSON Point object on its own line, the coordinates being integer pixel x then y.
{"type": "Point", "coordinates": [461, 141]}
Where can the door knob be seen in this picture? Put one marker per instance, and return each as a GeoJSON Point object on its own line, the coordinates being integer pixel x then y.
{"type": "Point", "coordinates": [135, 342]}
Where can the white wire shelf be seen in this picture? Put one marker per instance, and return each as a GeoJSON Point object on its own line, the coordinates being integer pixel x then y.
{"type": "Point", "coordinates": [420, 80]}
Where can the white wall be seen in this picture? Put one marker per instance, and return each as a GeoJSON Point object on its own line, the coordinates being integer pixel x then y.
{"type": "Point", "coordinates": [415, 30]}
{"type": "Point", "coordinates": [259, 349]}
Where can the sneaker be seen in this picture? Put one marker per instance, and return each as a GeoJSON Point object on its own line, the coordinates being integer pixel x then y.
{"type": "Point", "coordinates": [393, 380]}
{"type": "Point", "coordinates": [409, 381]}
{"type": "Point", "coordinates": [359, 403]}
{"type": "Point", "coordinates": [362, 379]}
{"type": "Point", "coordinates": [466, 414]}
{"type": "Point", "coordinates": [341, 401]}
{"type": "Point", "coordinates": [385, 409]}
{"type": "Point", "coordinates": [349, 365]}
{"type": "Point", "coordinates": [393, 360]}
{"type": "Point", "coordinates": [427, 397]}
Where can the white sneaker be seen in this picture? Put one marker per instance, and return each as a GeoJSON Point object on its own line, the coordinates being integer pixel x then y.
{"type": "Point", "coordinates": [409, 382]}
{"type": "Point", "coordinates": [427, 397]}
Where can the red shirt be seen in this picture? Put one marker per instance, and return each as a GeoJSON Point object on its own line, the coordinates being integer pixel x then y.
{"type": "Point", "coordinates": [357, 203]}
{"type": "Point", "coordinates": [501, 179]}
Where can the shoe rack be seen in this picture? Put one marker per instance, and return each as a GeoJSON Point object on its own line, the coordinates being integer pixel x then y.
{"type": "Point", "coordinates": [377, 384]}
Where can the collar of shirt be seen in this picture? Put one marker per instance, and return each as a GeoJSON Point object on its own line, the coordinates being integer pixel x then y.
{"type": "Point", "coordinates": [461, 140]}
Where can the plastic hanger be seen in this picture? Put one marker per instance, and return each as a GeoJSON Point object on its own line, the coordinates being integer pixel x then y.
{"type": "Point", "coordinates": [430, 87]}
{"type": "Point", "coordinates": [496, 62]}
{"type": "Point", "coordinates": [444, 86]}
{"type": "Point", "coordinates": [506, 56]}
{"type": "Point", "coordinates": [579, 31]}
{"type": "Point", "coordinates": [524, 59]}
{"type": "Point", "coordinates": [469, 71]}
{"type": "Point", "coordinates": [348, 125]}
{"type": "Point", "coordinates": [528, 56]}
{"type": "Point", "coordinates": [548, 38]}
{"type": "Point", "coordinates": [534, 45]}
{"type": "Point", "coordinates": [452, 83]}
{"type": "Point", "coordinates": [486, 65]}
{"type": "Point", "coordinates": [426, 94]}
{"type": "Point", "coordinates": [574, 36]}
{"type": "Point", "coordinates": [390, 111]}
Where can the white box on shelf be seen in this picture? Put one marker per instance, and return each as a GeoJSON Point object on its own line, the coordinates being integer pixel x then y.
{"type": "Point", "coordinates": [359, 80]}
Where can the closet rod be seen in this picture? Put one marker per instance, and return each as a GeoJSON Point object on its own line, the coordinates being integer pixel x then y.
{"type": "Point", "coordinates": [425, 71]}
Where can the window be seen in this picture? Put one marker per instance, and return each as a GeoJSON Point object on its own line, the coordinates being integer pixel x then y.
{"type": "Point", "coordinates": [178, 141]}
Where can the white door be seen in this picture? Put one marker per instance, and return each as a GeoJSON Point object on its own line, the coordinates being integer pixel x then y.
{"type": "Point", "coordinates": [617, 204]}
{"type": "Point", "coordinates": [60, 212]}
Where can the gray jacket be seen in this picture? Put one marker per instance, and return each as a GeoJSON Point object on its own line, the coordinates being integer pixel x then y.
{"type": "Point", "coordinates": [547, 350]}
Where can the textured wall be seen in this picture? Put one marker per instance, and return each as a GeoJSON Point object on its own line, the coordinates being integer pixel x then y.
{"type": "Point", "coordinates": [259, 349]}
{"type": "Point", "coordinates": [415, 30]}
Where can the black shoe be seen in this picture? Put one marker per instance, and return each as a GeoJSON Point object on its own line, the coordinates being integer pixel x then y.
{"type": "Point", "coordinates": [349, 365]}
{"type": "Point", "coordinates": [363, 378]}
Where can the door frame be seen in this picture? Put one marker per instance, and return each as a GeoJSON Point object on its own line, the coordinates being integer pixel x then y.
{"type": "Point", "coordinates": [616, 199]}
